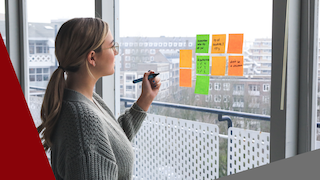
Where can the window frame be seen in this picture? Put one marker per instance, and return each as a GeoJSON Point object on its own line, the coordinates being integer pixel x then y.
{"type": "Point", "coordinates": [292, 129]}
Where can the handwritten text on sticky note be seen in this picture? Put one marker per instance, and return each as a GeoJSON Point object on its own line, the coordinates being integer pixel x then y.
{"type": "Point", "coordinates": [218, 67]}
{"type": "Point", "coordinates": [202, 85]}
{"type": "Point", "coordinates": [186, 58]}
{"type": "Point", "coordinates": [202, 43]}
{"type": "Point", "coordinates": [235, 67]}
{"type": "Point", "coordinates": [203, 64]}
{"type": "Point", "coordinates": [218, 43]}
{"type": "Point", "coordinates": [235, 43]}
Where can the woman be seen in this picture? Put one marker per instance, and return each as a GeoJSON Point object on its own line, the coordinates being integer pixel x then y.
{"type": "Point", "coordinates": [85, 139]}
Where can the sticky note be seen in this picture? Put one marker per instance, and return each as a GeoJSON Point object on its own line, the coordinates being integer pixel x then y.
{"type": "Point", "coordinates": [203, 64]}
{"type": "Point", "coordinates": [202, 43]}
{"type": "Point", "coordinates": [235, 66]}
{"type": "Point", "coordinates": [218, 67]}
{"type": "Point", "coordinates": [218, 44]}
{"type": "Point", "coordinates": [202, 85]}
{"type": "Point", "coordinates": [185, 78]}
{"type": "Point", "coordinates": [235, 43]}
{"type": "Point", "coordinates": [186, 58]}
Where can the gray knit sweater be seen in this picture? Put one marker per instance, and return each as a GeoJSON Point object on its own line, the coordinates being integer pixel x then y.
{"type": "Point", "coordinates": [89, 143]}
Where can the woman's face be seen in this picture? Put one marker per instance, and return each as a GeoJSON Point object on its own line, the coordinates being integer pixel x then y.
{"type": "Point", "coordinates": [105, 58]}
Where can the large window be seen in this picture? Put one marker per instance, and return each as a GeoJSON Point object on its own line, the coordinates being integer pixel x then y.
{"type": "Point", "coordinates": [170, 27]}
{"type": "Point", "coordinates": [193, 144]}
{"type": "Point", "coordinates": [41, 35]}
{"type": "Point", "coordinates": [2, 21]}
{"type": "Point", "coordinates": [42, 30]}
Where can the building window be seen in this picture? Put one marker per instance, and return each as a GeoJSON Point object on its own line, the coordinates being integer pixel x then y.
{"type": "Point", "coordinates": [226, 86]}
{"type": "Point", "coordinates": [130, 87]}
{"type": "Point", "coordinates": [226, 98]}
{"type": "Point", "coordinates": [152, 51]}
{"type": "Point", "coordinates": [38, 74]}
{"type": "Point", "coordinates": [266, 87]}
{"type": "Point", "coordinates": [160, 44]}
{"type": "Point", "coordinates": [217, 98]}
{"type": "Point", "coordinates": [127, 51]}
{"type": "Point", "coordinates": [217, 86]}
{"type": "Point", "coordinates": [264, 111]}
{"type": "Point", "coordinates": [145, 44]}
{"type": "Point", "coordinates": [140, 44]}
{"type": "Point", "coordinates": [130, 77]}
{"type": "Point", "coordinates": [155, 44]}
{"type": "Point", "coordinates": [238, 87]}
{"type": "Point", "coordinates": [38, 47]}
{"type": "Point", "coordinates": [210, 86]}
{"type": "Point", "coordinates": [130, 44]}
{"type": "Point", "coordinates": [126, 44]}
{"type": "Point", "coordinates": [170, 44]}
{"type": "Point", "coordinates": [265, 99]}
{"type": "Point", "coordinates": [127, 58]}
{"type": "Point", "coordinates": [190, 44]}
{"type": "Point", "coordinates": [175, 44]}
{"type": "Point", "coordinates": [254, 87]}
{"type": "Point", "coordinates": [128, 65]}
{"type": "Point", "coordinates": [135, 44]}
{"type": "Point", "coordinates": [208, 98]}
{"type": "Point", "coordinates": [180, 44]}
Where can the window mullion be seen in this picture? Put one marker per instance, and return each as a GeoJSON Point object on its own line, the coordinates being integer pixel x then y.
{"type": "Point", "coordinates": [308, 76]}
{"type": "Point", "coordinates": [16, 40]}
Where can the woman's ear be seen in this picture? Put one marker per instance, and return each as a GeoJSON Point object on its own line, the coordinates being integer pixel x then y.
{"type": "Point", "coordinates": [91, 58]}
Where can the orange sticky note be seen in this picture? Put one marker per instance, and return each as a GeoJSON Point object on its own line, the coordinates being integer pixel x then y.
{"type": "Point", "coordinates": [218, 43]}
{"type": "Point", "coordinates": [185, 78]}
{"type": "Point", "coordinates": [235, 43]}
{"type": "Point", "coordinates": [186, 58]}
{"type": "Point", "coordinates": [218, 67]}
{"type": "Point", "coordinates": [235, 67]}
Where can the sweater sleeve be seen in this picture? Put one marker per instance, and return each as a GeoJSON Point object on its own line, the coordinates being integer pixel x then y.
{"type": "Point", "coordinates": [85, 152]}
{"type": "Point", "coordinates": [130, 121]}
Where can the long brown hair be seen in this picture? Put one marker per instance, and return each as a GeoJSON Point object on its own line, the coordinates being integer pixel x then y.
{"type": "Point", "coordinates": [76, 38]}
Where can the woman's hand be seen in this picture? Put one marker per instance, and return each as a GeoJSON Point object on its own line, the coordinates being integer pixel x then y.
{"type": "Point", "coordinates": [150, 89]}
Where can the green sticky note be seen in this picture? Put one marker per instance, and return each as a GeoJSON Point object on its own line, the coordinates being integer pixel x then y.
{"type": "Point", "coordinates": [202, 43]}
{"type": "Point", "coordinates": [202, 85]}
{"type": "Point", "coordinates": [203, 64]}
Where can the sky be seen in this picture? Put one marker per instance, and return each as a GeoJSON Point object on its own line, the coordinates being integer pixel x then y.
{"type": "Point", "coordinates": [179, 18]}
{"type": "Point", "coordinates": [188, 18]}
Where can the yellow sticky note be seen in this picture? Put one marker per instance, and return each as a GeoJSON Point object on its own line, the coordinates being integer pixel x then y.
{"type": "Point", "coordinates": [218, 43]}
{"type": "Point", "coordinates": [218, 67]}
{"type": "Point", "coordinates": [185, 79]}
{"type": "Point", "coordinates": [186, 58]}
{"type": "Point", "coordinates": [235, 43]}
{"type": "Point", "coordinates": [235, 67]}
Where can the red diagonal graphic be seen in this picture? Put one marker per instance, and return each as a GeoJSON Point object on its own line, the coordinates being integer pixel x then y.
{"type": "Point", "coordinates": [21, 153]}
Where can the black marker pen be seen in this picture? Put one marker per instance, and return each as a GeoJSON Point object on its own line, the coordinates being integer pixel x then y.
{"type": "Point", "coordinates": [149, 77]}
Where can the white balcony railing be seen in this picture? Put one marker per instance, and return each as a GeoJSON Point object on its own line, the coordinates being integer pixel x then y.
{"type": "Point", "coordinates": [41, 60]}
{"type": "Point", "coordinates": [254, 93]}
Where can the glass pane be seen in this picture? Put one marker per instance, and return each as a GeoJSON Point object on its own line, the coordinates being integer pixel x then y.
{"type": "Point", "coordinates": [44, 21]}
{"type": "Point", "coordinates": [156, 45]}
{"type": "Point", "coordinates": [317, 146]}
{"type": "Point", "coordinates": [2, 20]}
